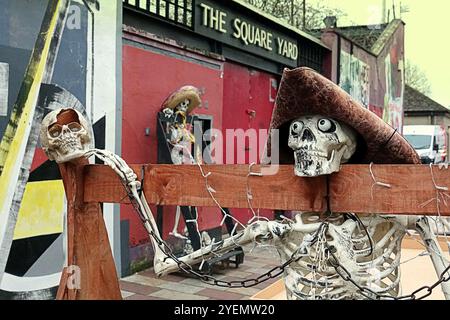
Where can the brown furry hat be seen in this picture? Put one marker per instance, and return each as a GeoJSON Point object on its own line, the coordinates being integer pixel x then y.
{"type": "Point", "coordinates": [305, 92]}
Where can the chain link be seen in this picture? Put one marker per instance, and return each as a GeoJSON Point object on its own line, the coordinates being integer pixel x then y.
{"type": "Point", "coordinates": [248, 283]}
{"type": "Point", "coordinates": [372, 295]}
{"type": "Point", "coordinates": [183, 266]}
{"type": "Point", "coordinates": [278, 270]}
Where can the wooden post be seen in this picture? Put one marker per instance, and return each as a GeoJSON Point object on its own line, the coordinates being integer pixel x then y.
{"type": "Point", "coordinates": [92, 274]}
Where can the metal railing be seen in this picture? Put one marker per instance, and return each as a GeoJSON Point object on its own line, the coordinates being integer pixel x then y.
{"type": "Point", "coordinates": [311, 57]}
{"type": "Point", "coordinates": [175, 11]}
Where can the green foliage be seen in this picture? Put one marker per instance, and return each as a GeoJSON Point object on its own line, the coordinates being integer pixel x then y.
{"type": "Point", "coordinates": [417, 79]}
{"type": "Point", "coordinates": [291, 11]}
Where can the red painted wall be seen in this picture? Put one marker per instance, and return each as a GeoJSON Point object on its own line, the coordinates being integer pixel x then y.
{"type": "Point", "coordinates": [148, 78]}
{"type": "Point", "coordinates": [230, 94]}
{"type": "Point", "coordinates": [247, 91]}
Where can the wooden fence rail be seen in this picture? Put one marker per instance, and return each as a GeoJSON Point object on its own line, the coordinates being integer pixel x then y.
{"type": "Point", "coordinates": [354, 189]}
{"type": "Point", "coordinates": [412, 190]}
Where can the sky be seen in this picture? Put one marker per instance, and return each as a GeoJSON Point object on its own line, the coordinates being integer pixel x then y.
{"type": "Point", "coordinates": [426, 40]}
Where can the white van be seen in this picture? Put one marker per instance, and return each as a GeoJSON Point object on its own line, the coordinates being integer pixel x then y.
{"type": "Point", "coordinates": [430, 142]}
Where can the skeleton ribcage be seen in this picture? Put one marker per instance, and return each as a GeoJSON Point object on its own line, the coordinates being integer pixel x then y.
{"type": "Point", "coordinates": [371, 255]}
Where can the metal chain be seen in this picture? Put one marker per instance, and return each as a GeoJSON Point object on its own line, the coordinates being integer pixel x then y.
{"type": "Point", "coordinates": [372, 295]}
{"type": "Point", "coordinates": [167, 250]}
{"type": "Point", "coordinates": [278, 270]}
{"type": "Point", "coordinates": [271, 274]}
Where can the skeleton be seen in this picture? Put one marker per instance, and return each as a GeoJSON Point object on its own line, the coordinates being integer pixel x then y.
{"type": "Point", "coordinates": [65, 135]}
{"type": "Point", "coordinates": [181, 139]}
{"type": "Point", "coordinates": [178, 134]}
{"type": "Point", "coordinates": [183, 106]}
{"type": "Point", "coordinates": [320, 145]}
{"type": "Point", "coordinates": [368, 246]}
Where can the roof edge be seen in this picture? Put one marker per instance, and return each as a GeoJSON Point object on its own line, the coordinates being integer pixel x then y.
{"type": "Point", "coordinates": [381, 42]}
{"type": "Point", "coordinates": [344, 36]}
{"type": "Point", "coordinates": [443, 108]}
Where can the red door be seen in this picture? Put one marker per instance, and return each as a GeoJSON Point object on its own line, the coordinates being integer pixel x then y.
{"type": "Point", "coordinates": [248, 101]}
{"type": "Point", "coordinates": [148, 78]}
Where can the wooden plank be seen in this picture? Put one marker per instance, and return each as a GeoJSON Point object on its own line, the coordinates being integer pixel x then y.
{"type": "Point", "coordinates": [354, 190]}
{"type": "Point", "coordinates": [184, 185]}
{"type": "Point", "coordinates": [62, 288]}
{"type": "Point", "coordinates": [103, 185]}
{"type": "Point", "coordinates": [351, 190]}
{"type": "Point", "coordinates": [88, 244]}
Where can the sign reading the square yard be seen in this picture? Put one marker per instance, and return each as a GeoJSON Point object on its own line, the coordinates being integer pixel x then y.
{"type": "Point", "coordinates": [245, 32]}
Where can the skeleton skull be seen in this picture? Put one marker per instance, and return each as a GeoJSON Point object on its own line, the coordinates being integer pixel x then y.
{"type": "Point", "coordinates": [320, 145]}
{"type": "Point", "coordinates": [183, 106]}
{"type": "Point", "coordinates": [65, 135]}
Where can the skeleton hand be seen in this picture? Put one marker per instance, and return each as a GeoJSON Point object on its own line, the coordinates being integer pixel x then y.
{"type": "Point", "coordinates": [117, 164]}
{"type": "Point", "coordinates": [168, 113]}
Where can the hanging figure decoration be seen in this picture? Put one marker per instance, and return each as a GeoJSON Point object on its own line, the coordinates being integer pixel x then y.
{"type": "Point", "coordinates": [177, 107]}
{"type": "Point", "coordinates": [177, 127]}
{"type": "Point", "coordinates": [179, 143]}
{"type": "Point", "coordinates": [323, 256]}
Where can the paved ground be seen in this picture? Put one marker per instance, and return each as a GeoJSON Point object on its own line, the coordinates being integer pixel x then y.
{"type": "Point", "coordinates": [146, 286]}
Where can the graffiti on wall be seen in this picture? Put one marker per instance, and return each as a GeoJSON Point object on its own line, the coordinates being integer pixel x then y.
{"type": "Point", "coordinates": [45, 52]}
{"type": "Point", "coordinates": [393, 99]}
{"type": "Point", "coordinates": [354, 78]}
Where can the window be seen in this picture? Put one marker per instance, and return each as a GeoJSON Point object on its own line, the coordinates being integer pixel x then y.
{"type": "Point", "coordinates": [419, 141]}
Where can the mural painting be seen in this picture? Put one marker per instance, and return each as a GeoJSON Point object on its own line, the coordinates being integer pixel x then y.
{"type": "Point", "coordinates": [46, 62]}
{"type": "Point", "coordinates": [393, 99]}
{"type": "Point", "coordinates": [354, 78]}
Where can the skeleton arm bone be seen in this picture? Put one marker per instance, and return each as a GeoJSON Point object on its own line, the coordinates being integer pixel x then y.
{"type": "Point", "coordinates": [128, 177]}
{"type": "Point", "coordinates": [300, 226]}
{"type": "Point", "coordinates": [166, 265]}
{"type": "Point", "coordinates": [162, 263]}
{"type": "Point", "coordinates": [257, 231]}
{"type": "Point", "coordinates": [435, 251]}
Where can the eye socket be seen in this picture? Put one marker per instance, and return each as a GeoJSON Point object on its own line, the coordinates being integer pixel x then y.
{"type": "Point", "coordinates": [74, 126]}
{"type": "Point", "coordinates": [326, 126]}
{"type": "Point", "coordinates": [55, 130]}
{"type": "Point", "coordinates": [296, 127]}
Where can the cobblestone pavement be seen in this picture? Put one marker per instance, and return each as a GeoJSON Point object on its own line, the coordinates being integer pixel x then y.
{"type": "Point", "coordinates": [178, 286]}
{"type": "Point", "coordinates": [145, 285]}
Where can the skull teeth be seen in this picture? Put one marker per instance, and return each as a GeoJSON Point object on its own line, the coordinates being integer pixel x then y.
{"type": "Point", "coordinates": [309, 153]}
{"type": "Point", "coordinates": [304, 164]}
{"type": "Point", "coordinates": [71, 145]}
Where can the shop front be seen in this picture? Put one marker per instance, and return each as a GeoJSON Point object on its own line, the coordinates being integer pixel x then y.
{"type": "Point", "coordinates": [235, 56]}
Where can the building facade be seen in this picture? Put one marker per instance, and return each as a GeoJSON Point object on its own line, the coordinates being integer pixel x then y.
{"type": "Point", "coordinates": [368, 62]}
{"type": "Point", "coordinates": [234, 54]}
{"type": "Point", "coordinates": [422, 110]}
{"type": "Point", "coordinates": [120, 60]}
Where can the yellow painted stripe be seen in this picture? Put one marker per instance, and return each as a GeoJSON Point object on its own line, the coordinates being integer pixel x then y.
{"type": "Point", "coordinates": [42, 210]}
{"type": "Point", "coordinates": [9, 176]}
